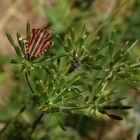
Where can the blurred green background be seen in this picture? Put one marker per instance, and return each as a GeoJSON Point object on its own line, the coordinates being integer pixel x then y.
{"type": "Point", "coordinates": [60, 16]}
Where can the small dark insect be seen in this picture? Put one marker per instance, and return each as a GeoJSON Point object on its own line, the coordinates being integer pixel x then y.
{"type": "Point", "coordinates": [38, 42]}
{"type": "Point", "coordinates": [75, 63]}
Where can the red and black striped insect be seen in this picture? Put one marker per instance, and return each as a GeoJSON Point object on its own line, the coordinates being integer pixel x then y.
{"type": "Point", "coordinates": [38, 42]}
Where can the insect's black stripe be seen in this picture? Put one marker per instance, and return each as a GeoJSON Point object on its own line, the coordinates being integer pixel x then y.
{"type": "Point", "coordinates": [36, 38]}
{"type": "Point", "coordinates": [37, 32]}
{"type": "Point", "coordinates": [44, 42]}
{"type": "Point", "coordinates": [39, 50]}
{"type": "Point", "coordinates": [39, 41]}
{"type": "Point", "coordinates": [37, 47]}
{"type": "Point", "coordinates": [48, 42]}
{"type": "Point", "coordinates": [34, 35]}
{"type": "Point", "coordinates": [44, 46]}
{"type": "Point", "coordinates": [31, 36]}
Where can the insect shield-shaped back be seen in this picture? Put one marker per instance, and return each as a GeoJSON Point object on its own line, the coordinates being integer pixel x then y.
{"type": "Point", "coordinates": [38, 42]}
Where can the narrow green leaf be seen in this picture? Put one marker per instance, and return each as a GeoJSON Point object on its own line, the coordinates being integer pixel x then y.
{"type": "Point", "coordinates": [91, 44]}
{"type": "Point", "coordinates": [113, 37]}
{"type": "Point", "coordinates": [61, 124]}
{"type": "Point", "coordinates": [44, 58]}
{"type": "Point", "coordinates": [13, 44]}
{"type": "Point", "coordinates": [21, 43]}
{"type": "Point", "coordinates": [125, 75]}
{"type": "Point", "coordinates": [75, 108]}
{"type": "Point", "coordinates": [112, 116]}
{"type": "Point", "coordinates": [72, 97]}
{"type": "Point", "coordinates": [13, 61]}
{"type": "Point", "coordinates": [95, 50]}
{"type": "Point", "coordinates": [115, 117]}
{"type": "Point", "coordinates": [11, 40]}
{"type": "Point", "coordinates": [72, 76]}
{"type": "Point", "coordinates": [111, 49]}
{"type": "Point", "coordinates": [70, 45]}
{"type": "Point", "coordinates": [82, 37]}
{"type": "Point", "coordinates": [27, 28]}
{"type": "Point", "coordinates": [81, 42]}
{"type": "Point", "coordinates": [118, 56]}
{"type": "Point", "coordinates": [98, 57]}
{"type": "Point", "coordinates": [132, 84]}
{"type": "Point", "coordinates": [102, 111]}
{"type": "Point", "coordinates": [18, 51]}
{"type": "Point", "coordinates": [72, 36]}
{"type": "Point", "coordinates": [112, 42]}
{"type": "Point", "coordinates": [112, 107]}
{"type": "Point", "coordinates": [83, 33]}
{"type": "Point", "coordinates": [134, 78]}
{"type": "Point", "coordinates": [133, 45]}
{"type": "Point", "coordinates": [137, 65]}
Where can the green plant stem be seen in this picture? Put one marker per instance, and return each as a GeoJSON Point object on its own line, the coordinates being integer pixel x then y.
{"type": "Point", "coordinates": [35, 124]}
{"type": "Point", "coordinates": [27, 79]}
